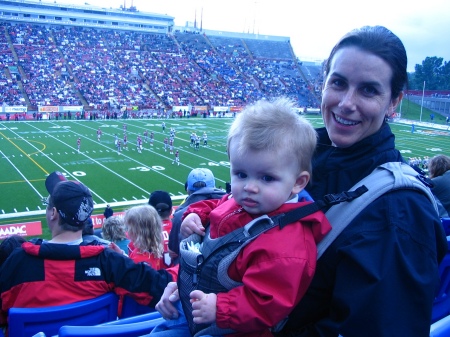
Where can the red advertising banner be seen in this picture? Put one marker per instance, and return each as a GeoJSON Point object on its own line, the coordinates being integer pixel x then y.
{"type": "Point", "coordinates": [22, 229]}
{"type": "Point", "coordinates": [200, 108]}
{"type": "Point", "coordinates": [34, 228]}
{"type": "Point", "coordinates": [99, 219]}
{"type": "Point", "coordinates": [48, 108]}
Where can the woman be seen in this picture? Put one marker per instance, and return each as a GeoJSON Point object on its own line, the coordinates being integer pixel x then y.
{"type": "Point", "coordinates": [439, 171]}
{"type": "Point", "coordinates": [379, 277]}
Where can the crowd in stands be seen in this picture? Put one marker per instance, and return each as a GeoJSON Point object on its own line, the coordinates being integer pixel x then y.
{"type": "Point", "coordinates": [39, 64]}
{"type": "Point", "coordinates": [107, 69]}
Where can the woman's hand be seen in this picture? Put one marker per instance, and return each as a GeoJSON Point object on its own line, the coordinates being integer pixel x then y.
{"type": "Point", "coordinates": [165, 305]}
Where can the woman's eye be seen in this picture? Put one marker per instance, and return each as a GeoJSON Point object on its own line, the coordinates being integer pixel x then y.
{"type": "Point", "coordinates": [370, 91]}
{"type": "Point", "coordinates": [338, 82]}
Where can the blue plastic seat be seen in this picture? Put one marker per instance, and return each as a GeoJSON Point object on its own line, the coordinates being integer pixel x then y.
{"type": "Point", "coordinates": [135, 319]}
{"type": "Point", "coordinates": [128, 327]}
{"type": "Point", "coordinates": [441, 305]}
{"type": "Point", "coordinates": [132, 308]}
{"type": "Point", "coordinates": [441, 328]}
{"type": "Point", "coordinates": [446, 224]}
{"type": "Point", "coordinates": [25, 322]}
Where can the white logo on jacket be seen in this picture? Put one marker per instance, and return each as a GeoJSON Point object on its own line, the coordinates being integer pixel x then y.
{"type": "Point", "coordinates": [93, 272]}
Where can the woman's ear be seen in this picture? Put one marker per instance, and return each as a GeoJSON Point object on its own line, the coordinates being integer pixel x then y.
{"type": "Point", "coordinates": [396, 102]}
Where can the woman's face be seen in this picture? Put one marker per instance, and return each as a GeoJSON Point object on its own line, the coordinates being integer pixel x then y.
{"type": "Point", "coordinates": [356, 96]}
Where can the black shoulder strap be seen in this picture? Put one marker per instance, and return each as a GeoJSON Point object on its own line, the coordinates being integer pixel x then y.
{"type": "Point", "coordinates": [328, 200]}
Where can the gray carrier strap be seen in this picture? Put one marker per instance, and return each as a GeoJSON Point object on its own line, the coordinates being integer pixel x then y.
{"type": "Point", "coordinates": [387, 177]}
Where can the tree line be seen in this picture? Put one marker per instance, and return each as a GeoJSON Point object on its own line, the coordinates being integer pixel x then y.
{"type": "Point", "coordinates": [434, 71]}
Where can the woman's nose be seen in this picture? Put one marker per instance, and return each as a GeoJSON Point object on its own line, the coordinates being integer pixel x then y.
{"type": "Point", "coordinates": [348, 100]}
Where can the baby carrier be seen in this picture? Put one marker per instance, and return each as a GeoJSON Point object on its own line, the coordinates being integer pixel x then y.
{"type": "Point", "coordinates": [204, 261]}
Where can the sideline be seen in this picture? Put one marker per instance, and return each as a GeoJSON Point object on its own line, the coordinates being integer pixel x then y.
{"type": "Point", "coordinates": [425, 124]}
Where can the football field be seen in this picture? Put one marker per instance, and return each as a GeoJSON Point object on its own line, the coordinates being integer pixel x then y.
{"type": "Point", "coordinates": [29, 151]}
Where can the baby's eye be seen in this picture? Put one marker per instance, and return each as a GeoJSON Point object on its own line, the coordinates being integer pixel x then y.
{"type": "Point", "coordinates": [267, 178]}
{"type": "Point", "coordinates": [241, 175]}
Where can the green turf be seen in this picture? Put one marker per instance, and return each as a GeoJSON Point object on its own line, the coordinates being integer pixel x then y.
{"type": "Point", "coordinates": [31, 150]}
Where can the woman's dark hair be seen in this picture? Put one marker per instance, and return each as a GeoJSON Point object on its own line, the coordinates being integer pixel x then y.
{"type": "Point", "coordinates": [438, 165]}
{"type": "Point", "coordinates": [8, 245]}
{"type": "Point", "coordinates": [381, 42]}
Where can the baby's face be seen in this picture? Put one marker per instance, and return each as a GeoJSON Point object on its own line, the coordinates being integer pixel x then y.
{"type": "Point", "coordinates": [261, 181]}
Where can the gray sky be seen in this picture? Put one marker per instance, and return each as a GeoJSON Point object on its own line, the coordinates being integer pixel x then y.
{"type": "Point", "coordinates": [314, 26]}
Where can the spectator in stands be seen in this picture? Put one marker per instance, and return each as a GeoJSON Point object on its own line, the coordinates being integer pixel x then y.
{"type": "Point", "coordinates": [65, 269]}
{"type": "Point", "coordinates": [108, 211]}
{"type": "Point", "coordinates": [264, 180]}
{"type": "Point", "coordinates": [145, 232]}
{"type": "Point", "coordinates": [162, 202]}
{"type": "Point", "coordinates": [114, 230]}
{"type": "Point", "coordinates": [8, 245]}
{"type": "Point", "coordinates": [439, 172]}
{"type": "Point", "coordinates": [89, 236]}
{"type": "Point", "coordinates": [200, 185]}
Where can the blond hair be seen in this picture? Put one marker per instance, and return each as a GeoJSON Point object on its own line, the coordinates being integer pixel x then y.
{"type": "Point", "coordinates": [145, 229]}
{"type": "Point", "coordinates": [114, 229]}
{"type": "Point", "coordinates": [274, 126]}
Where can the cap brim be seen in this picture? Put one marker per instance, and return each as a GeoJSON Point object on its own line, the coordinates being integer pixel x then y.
{"type": "Point", "coordinates": [53, 179]}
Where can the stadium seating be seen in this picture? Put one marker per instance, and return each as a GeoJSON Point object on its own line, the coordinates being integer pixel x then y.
{"type": "Point", "coordinates": [441, 305]}
{"type": "Point", "coordinates": [441, 328]}
{"type": "Point", "coordinates": [132, 308]}
{"type": "Point", "coordinates": [152, 71]}
{"type": "Point", "coordinates": [25, 322]}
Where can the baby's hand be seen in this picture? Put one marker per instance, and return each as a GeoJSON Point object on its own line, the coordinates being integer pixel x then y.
{"type": "Point", "coordinates": [191, 224]}
{"type": "Point", "coordinates": [204, 307]}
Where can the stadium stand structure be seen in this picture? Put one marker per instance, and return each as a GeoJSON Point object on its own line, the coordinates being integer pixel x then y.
{"type": "Point", "coordinates": [75, 57]}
